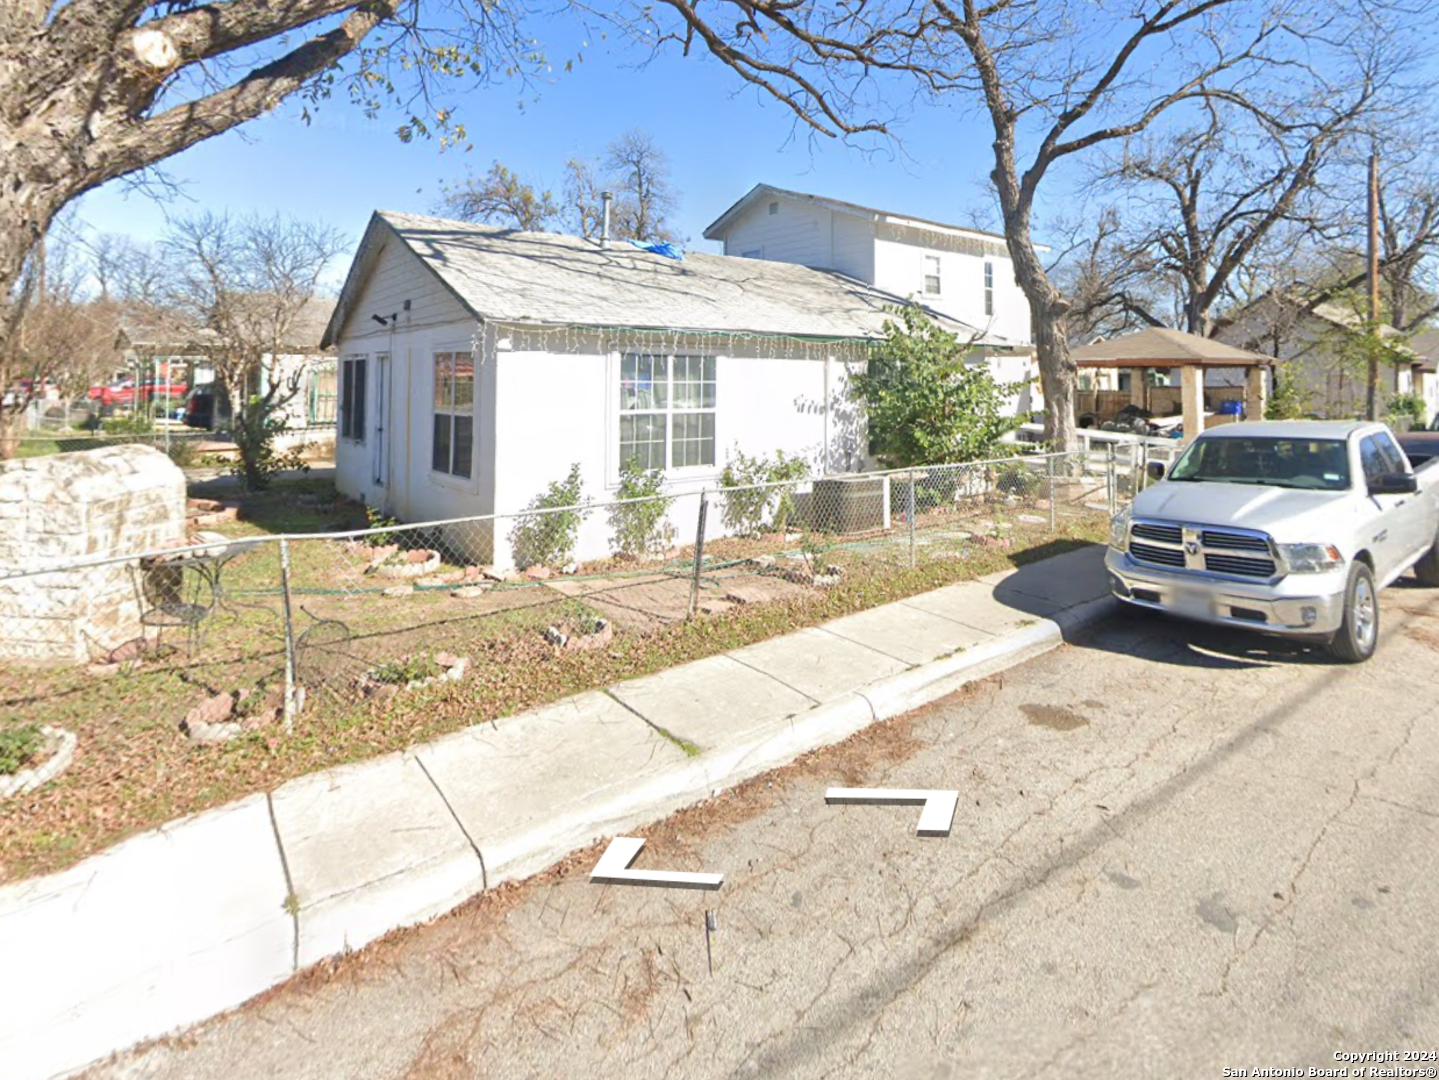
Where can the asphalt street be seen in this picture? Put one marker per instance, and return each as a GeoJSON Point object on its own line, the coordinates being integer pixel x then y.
{"type": "Point", "coordinates": [1177, 850]}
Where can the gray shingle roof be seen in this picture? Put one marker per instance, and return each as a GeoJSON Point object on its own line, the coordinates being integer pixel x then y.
{"type": "Point", "coordinates": [550, 279]}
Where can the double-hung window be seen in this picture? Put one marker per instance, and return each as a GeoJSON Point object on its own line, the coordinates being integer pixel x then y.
{"type": "Point", "coordinates": [352, 398]}
{"type": "Point", "coordinates": [667, 410]}
{"type": "Point", "coordinates": [989, 288]}
{"type": "Point", "coordinates": [320, 394]}
{"type": "Point", "coordinates": [931, 275]}
{"type": "Point", "coordinates": [453, 443]}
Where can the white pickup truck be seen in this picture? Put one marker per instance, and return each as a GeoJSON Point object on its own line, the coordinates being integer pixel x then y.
{"type": "Point", "coordinates": [1291, 528]}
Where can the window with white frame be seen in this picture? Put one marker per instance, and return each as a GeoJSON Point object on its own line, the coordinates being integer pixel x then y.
{"type": "Point", "coordinates": [320, 397]}
{"type": "Point", "coordinates": [989, 288]}
{"type": "Point", "coordinates": [931, 275]}
{"type": "Point", "coordinates": [352, 398]}
{"type": "Point", "coordinates": [667, 410]}
{"type": "Point", "coordinates": [452, 446]}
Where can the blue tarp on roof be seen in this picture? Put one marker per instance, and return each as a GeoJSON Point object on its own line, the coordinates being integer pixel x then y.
{"type": "Point", "coordinates": [660, 247]}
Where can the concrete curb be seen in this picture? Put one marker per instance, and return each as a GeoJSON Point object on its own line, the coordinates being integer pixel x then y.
{"type": "Point", "coordinates": [257, 911]}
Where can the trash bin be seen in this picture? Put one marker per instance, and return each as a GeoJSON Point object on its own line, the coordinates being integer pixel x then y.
{"type": "Point", "coordinates": [848, 504]}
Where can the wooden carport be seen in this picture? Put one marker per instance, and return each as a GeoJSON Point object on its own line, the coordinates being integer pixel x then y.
{"type": "Point", "coordinates": [1165, 350]}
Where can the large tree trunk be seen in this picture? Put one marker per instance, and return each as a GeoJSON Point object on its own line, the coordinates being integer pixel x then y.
{"type": "Point", "coordinates": [1058, 374]}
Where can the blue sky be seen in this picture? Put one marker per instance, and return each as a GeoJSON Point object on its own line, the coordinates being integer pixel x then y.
{"type": "Point", "coordinates": [721, 139]}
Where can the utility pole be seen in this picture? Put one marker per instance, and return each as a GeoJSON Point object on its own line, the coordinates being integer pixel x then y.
{"type": "Point", "coordinates": [1372, 396]}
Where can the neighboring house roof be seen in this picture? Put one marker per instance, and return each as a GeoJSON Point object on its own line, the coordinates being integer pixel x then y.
{"type": "Point", "coordinates": [165, 330]}
{"type": "Point", "coordinates": [1159, 347]}
{"type": "Point", "coordinates": [549, 279]}
{"type": "Point", "coordinates": [715, 230]}
{"type": "Point", "coordinates": [1425, 345]}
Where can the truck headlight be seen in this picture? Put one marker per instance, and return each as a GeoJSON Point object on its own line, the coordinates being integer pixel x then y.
{"type": "Point", "coordinates": [1310, 558]}
{"type": "Point", "coordinates": [1119, 530]}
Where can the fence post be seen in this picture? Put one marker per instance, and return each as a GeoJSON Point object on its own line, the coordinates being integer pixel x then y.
{"type": "Point", "coordinates": [1049, 474]}
{"type": "Point", "coordinates": [289, 638]}
{"type": "Point", "coordinates": [699, 555]}
{"type": "Point", "coordinates": [1111, 480]}
{"type": "Point", "coordinates": [909, 513]}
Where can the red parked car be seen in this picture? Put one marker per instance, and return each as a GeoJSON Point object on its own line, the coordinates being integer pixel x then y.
{"type": "Point", "coordinates": [123, 393]}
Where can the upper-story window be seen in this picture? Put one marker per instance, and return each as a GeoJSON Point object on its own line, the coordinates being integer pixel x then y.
{"type": "Point", "coordinates": [931, 275]}
{"type": "Point", "coordinates": [989, 288]}
{"type": "Point", "coordinates": [753, 253]}
{"type": "Point", "coordinates": [774, 208]}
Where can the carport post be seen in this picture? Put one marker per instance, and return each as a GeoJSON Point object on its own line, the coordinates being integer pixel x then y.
{"type": "Point", "coordinates": [1111, 479]}
{"type": "Point", "coordinates": [1191, 381]}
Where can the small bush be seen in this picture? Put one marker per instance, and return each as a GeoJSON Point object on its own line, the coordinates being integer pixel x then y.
{"type": "Point", "coordinates": [1411, 405]}
{"type": "Point", "coordinates": [550, 539]}
{"type": "Point", "coordinates": [406, 670]}
{"type": "Point", "coordinates": [745, 511]}
{"type": "Point", "coordinates": [128, 425]}
{"type": "Point", "coordinates": [376, 520]}
{"type": "Point", "coordinates": [17, 746]}
{"type": "Point", "coordinates": [641, 528]}
{"type": "Point", "coordinates": [1018, 481]}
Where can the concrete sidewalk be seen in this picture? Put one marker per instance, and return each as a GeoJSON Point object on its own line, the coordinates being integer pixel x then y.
{"type": "Point", "coordinates": [194, 918]}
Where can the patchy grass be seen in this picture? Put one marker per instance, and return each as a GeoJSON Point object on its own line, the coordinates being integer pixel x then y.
{"type": "Point", "coordinates": [133, 769]}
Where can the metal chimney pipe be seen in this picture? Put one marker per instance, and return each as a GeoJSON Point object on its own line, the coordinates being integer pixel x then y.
{"type": "Point", "coordinates": [606, 197]}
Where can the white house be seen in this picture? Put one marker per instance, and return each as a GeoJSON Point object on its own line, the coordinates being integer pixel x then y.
{"type": "Point", "coordinates": [477, 364]}
{"type": "Point", "coordinates": [964, 273]}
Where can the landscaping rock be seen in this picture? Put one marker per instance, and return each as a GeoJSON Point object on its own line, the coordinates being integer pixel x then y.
{"type": "Point", "coordinates": [554, 636]}
{"type": "Point", "coordinates": [763, 562]}
{"type": "Point", "coordinates": [398, 590]}
{"type": "Point", "coordinates": [570, 568]}
{"type": "Point", "coordinates": [262, 719]}
{"type": "Point", "coordinates": [59, 750]}
{"type": "Point", "coordinates": [220, 517]}
{"type": "Point", "coordinates": [134, 649]}
{"type": "Point", "coordinates": [103, 671]}
{"type": "Point", "coordinates": [470, 592]}
{"type": "Point", "coordinates": [204, 506]}
{"type": "Point", "coordinates": [410, 564]}
{"type": "Point", "coordinates": [716, 607]}
{"type": "Point", "coordinates": [212, 710]}
{"type": "Point", "coordinates": [1033, 519]}
{"type": "Point", "coordinates": [598, 639]}
{"type": "Point", "coordinates": [202, 734]}
{"type": "Point", "coordinates": [539, 573]}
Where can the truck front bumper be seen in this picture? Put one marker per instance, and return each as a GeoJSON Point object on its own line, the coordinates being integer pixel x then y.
{"type": "Point", "coordinates": [1307, 605]}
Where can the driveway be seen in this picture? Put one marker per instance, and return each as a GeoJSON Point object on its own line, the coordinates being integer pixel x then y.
{"type": "Point", "coordinates": [1176, 850]}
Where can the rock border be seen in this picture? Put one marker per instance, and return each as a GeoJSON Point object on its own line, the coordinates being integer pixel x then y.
{"type": "Point", "coordinates": [27, 780]}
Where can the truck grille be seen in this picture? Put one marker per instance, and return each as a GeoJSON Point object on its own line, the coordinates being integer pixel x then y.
{"type": "Point", "coordinates": [1231, 564]}
{"type": "Point", "coordinates": [1162, 556]}
{"type": "Point", "coordinates": [1216, 551]}
{"type": "Point", "coordinates": [1165, 534]}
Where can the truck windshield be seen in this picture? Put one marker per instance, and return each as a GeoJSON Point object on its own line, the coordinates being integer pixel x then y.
{"type": "Point", "coordinates": [1322, 464]}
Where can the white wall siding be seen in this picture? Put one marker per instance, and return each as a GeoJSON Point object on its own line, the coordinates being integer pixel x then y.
{"type": "Point", "coordinates": [799, 233]}
{"type": "Point", "coordinates": [558, 405]}
{"type": "Point", "coordinates": [899, 255]}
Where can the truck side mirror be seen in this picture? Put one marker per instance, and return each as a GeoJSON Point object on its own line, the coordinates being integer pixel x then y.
{"type": "Point", "coordinates": [1155, 469]}
{"type": "Point", "coordinates": [1394, 483]}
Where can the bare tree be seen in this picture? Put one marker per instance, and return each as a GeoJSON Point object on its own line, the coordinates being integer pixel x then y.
{"type": "Point", "coordinates": [63, 337]}
{"type": "Point", "coordinates": [1054, 79]}
{"type": "Point", "coordinates": [640, 174]}
{"type": "Point", "coordinates": [93, 90]}
{"type": "Point", "coordinates": [501, 198]}
{"type": "Point", "coordinates": [583, 206]}
{"type": "Point", "coordinates": [250, 281]}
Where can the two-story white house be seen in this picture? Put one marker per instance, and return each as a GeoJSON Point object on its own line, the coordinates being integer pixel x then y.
{"type": "Point", "coordinates": [965, 273]}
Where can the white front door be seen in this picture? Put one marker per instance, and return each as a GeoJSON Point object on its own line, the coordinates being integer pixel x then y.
{"type": "Point", "coordinates": [381, 453]}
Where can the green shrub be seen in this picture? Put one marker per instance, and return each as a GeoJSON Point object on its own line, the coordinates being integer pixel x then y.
{"type": "Point", "coordinates": [17, 746]}
{"type": "Point", "coordinates": [128, 425]}
{"type": "Point", "coordinates": [374, 519]}
{"type": "Point", "coordinates": [745, 511]}
{"type": "Point", "coordinates": [1411, 405]}
{"type": "Point", "coordinates": [550, 539]}
{"type": "Point", "coordinates": [641, 528]}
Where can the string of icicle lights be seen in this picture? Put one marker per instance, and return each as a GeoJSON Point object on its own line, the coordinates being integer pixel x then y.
{"type": "Point", "coordinates": [586, 339]}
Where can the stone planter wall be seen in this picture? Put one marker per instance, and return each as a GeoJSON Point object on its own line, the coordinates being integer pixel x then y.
{"type": "Point", "coordinates": [65, 507]}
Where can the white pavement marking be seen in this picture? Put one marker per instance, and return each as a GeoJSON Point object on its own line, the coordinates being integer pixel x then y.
{"type": "Point", "coordinates": [613, 869]}
{"type": "Point", "coordinates": [934, 820]}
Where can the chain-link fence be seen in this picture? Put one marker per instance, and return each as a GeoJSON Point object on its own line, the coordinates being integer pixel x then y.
{"type": "Point", "coordinates": [348, 616]}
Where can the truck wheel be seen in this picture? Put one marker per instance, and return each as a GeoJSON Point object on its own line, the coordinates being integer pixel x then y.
{"type": "Point", "coordinates": [1354, 641]}
{"type": "Point", "coordinates": [1426, 570]}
